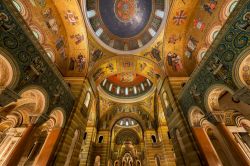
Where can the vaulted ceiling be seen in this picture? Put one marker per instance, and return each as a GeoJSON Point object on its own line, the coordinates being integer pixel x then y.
{"type": "Point", "coordinates": [130, 44]}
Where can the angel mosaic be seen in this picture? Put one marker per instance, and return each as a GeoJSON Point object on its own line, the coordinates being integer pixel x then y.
{"type": "Point", "coordinates": [191, 46]}
{"type": "Point", "coordinates": [210, 6]}
{"type": "Point", "coordinates": [50, 20]}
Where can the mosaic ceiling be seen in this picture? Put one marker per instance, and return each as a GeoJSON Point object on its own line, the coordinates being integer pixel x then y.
{"type": "Point", "coordinates": [110, 39]}
{"type": "Point", "coordinates": [123, 26]}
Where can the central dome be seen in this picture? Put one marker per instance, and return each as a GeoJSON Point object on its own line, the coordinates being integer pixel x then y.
{"type": "Point", "coordinates": [125, 18]}
{"type": "Point", "coordinates": [125, 26]}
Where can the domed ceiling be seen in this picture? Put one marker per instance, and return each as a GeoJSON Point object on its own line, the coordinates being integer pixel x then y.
{"type": "Point", "coordinates": [124, 26]}
{"type": "Point", "coordinates": [103, 38]}
{"type": "Point", "coordinates": [126, 85]}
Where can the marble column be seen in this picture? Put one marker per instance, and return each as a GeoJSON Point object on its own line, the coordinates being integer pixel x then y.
{"type": "Point", "coordinates": [48, 148]}
{"type": "Point", "coordinates": [206, 148]}
{"type": "Point", "coordinates": [233, 145]}
{"type": "Point", "coordinates": [17, 152]}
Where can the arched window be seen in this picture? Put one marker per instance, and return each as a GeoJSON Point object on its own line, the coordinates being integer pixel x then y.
{"type": "Point", "coordinates": [180, 142]}
{"type": "Point", "coordinates": [230, 7]}
{"type": "Point", "coordinates": [72, 147]}
{"type": "Point", "coordinates": [87, 99]}
{"type": "Point", "coordinates": [97, 161]}
{"type": "Point", "coordinates": [21, 8]}
{"type": "Point", "coordinates": [17, 5]}
{"type": "Point", "coordinates": [157, 160]}
{"type": "Point", "coordinates": [50, 54]}
{"type": "Point", "coordinates": [100, 139]}
{"type": "Point", "coordinates": [213, 33]}
{"type": "Point", "coordinates": [153, 138]}
{"type": "Point", "coordinates": [201, 54]}
{"type": "Point", "coordinates": [37, 33]}
{"type": "Point", "coordinates": [165, 100]}
{"type": "Point", "coordinates": [85, 136]}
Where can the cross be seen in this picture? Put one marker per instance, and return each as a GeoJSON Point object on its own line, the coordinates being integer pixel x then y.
{"type": "Point", "coordinates": [180, 17]}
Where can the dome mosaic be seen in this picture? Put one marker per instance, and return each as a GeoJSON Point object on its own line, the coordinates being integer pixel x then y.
{"type": "Point", "coordinates": [126, 85]}
{"type": "Point", "coordinates": [123, 26]}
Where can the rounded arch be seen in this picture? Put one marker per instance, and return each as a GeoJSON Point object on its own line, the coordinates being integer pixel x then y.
{"type": "Point", "coordinates": [37, 33]}
{"type": "Point", "coordinates": [34, 99]}
{"type": "Point", "coordinates": [195, 116]}
{"type": "Point", "coordinates": [87, 99]}
{"type": "Point", "coordinates": [212, 95]}
{"type": "Point", "coordinates": [213, 33]}
{"type": "Point", "coordinates": [22, 8]}
{"type": "Point", "coordinates": [74, 141]}
{"type": "Point", "coordinates": [201, 54]}
{"type": "Point", "coordinates": [227, 9]}
{"type": "Point", "coordinates": [59, 116]}
{"type": "Point", "coordinates": [165, 99]}
{"type": "Point", "coordinates": [14, 119]}
{"type": "Point", "coordinates": [9, 72]}
{"type": "Point", "coordinates": [241, 69]}
{"type": "Point", "coordinates": [123, 135]}
{"type": "Point", "coordinates": [157, 160]}
{"type": "Point", "coordinates": [241, 121]}
{"type": "Point", "coordinates": [51, 53]}
{"type": "Point", "coordinates": [134, 116]}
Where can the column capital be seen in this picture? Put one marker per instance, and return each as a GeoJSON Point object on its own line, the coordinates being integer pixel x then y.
{"type": "Point", "coordinates": [215, 117]}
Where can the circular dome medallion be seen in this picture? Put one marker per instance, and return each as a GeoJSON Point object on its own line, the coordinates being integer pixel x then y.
{"type": "Point", "coordinates": [125, 26]}
{"type": "Point", "coordinates": [125, 10]}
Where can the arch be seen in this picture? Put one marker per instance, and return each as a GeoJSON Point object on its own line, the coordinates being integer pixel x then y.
{"type": "Point", "coordinates": [22, 8]}
{"type": "Point", "coordinates": [165, 100]}
{"type": "Point", "coordinates": [213, 33]}
{"type": "Point", "coordinates": [157, 160]}
{"type": "Point", "coordinates": [72, 147]}
{"type": "Point", "coordinates": [59, 116]}
{"type": "Point", "coordinates": [87, 99]}
{"type": "Point", "coordinates": [201, 54]}
{"type": "Point", "coordinates": [212, 95]}
{"type": "Point", "coordinates": [241, 121]}
{"type": "Point", "coordinates": [100, 139]}
{"type": "Point", "coordinates": [241, 69]}
{"type": "Point", "coordinates": [34, 101]}
{"type": "Point", "coordinates": [9, 72]}
{"type": "Point", "coordinates": [123, 135]}
{"type": "Point", "coordinates": [14, 119]}
{"type": "Point", "coordinates": [116, 163]}
{"type": "Point", "coordinates": [37, 33]}
{"type": "Point", "coordinates": [218, 146]}
{"type": "Point", "coordinates": [180, 142]}
{"type": "Point", "coordinates": [227, 9]}
{"type": "Point", "coordinates": [51, 54]}
{"type": "Point", "coordinates": [97, 160]}
{"type": "Point", "coordinates": [153, 138]}
{"type": "Point", "coordinates": [134, 116]}
{"type": "Point", "coordinates": [195, 116]}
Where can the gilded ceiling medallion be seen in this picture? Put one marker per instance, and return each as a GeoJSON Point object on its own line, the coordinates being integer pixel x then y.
{"type": "Point", "coordinates": [125, 10]}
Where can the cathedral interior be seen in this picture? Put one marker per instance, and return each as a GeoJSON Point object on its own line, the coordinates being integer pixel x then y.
{"type": "Point", "coordinates": [125, 82]}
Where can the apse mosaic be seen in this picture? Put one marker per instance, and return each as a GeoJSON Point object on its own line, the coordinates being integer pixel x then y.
{"type": "Point", "coordinates": [126, 85]}
{"type": "Point", "coordinates": [126, 67]}
{"type": "Point", "coordinates": [123, 26]}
